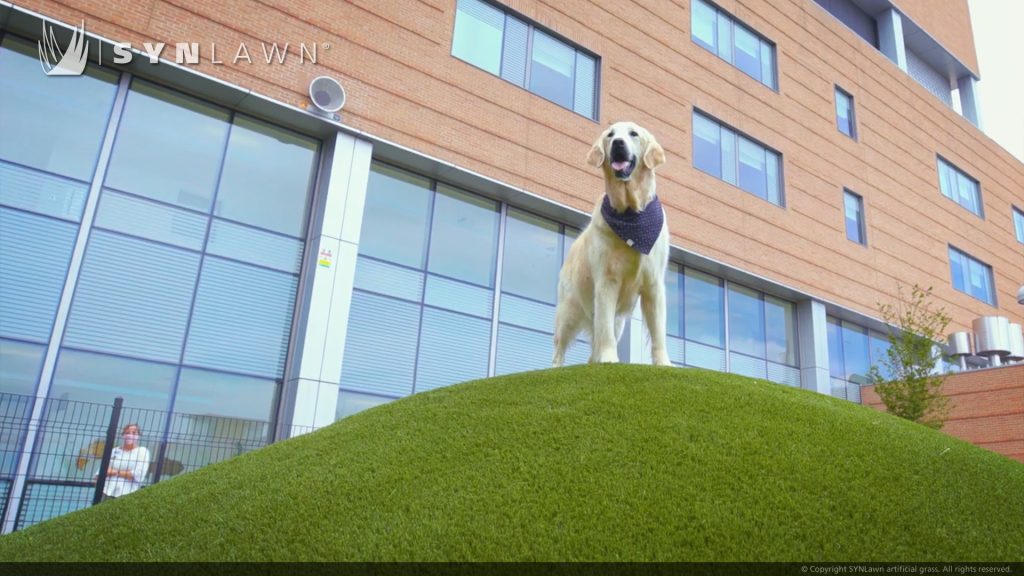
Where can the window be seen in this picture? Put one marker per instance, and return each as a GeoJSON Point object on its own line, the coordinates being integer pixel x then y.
{"type": "Point", "coordinates": [740, 161]}
{"type": "Point", "coordinates": [853, 210]}
{"type": "Point", "coordinates": [959, 187]}
{"type": "Point", "coordinates": [733, 42]}
{"type": "Point", "coordinates": [424, 290]}
{"type": "Point", "coordinates": [1018, 224]}
{"type": "Point", "coordinates": [852, 351]}
{"type": "Point", "coordinates": [972, 276]}
{"type": "Point", "coordinates": [507, 46]}
{"type": "Point", "coordinates": [844, 114]}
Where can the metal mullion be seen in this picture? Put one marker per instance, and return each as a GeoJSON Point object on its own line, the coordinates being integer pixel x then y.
{"type": "Point", "coordinates": [725, 319]}
{"type": "Point", "coordinates": [195, 290]}
{"type": "Point", "coordinates": [423, 293]}
{"type": "Point", "coordinates": [496, 307]}
{"type": "Point", "coordinates": [14, 497]}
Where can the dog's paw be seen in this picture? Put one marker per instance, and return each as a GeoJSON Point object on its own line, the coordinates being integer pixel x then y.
{"type": "Point", "coordinates": [661, 359]}
{"type": "Point", "coordinates": [606, 357]}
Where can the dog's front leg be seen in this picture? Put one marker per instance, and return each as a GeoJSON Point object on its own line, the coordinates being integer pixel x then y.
{"type": "Point", "coordinates": [605, 348]}
{"type": "Point", "coordinates": [652, 302]}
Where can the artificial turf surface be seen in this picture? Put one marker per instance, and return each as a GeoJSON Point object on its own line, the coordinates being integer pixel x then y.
{"type": "Point", "coordinates": [595, 463]}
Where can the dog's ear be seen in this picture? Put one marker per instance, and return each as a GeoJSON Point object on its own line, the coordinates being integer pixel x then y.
{"type": "Point", "coordinates": [596, 155]}
{"type": "Point", "coordinates": [654, 156]}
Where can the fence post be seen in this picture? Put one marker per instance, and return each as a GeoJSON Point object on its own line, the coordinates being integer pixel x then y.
{"type": "Point", "coordinates": [108, 447]}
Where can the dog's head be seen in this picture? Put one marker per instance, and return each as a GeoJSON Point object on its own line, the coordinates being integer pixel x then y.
{"type": "Point", "coordinates": [625, 148]}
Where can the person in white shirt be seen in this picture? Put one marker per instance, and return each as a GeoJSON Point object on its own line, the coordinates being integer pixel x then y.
{"type": "Point", "coordinates": [129, 464]}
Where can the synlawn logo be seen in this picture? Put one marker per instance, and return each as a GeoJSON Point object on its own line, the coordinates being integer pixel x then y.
{"type": "Point", "coordinates": [71, 61]}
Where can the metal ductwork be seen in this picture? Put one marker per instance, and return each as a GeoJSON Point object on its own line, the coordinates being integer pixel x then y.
{"type": "Point", "coordinates": [960, 347]}
{"type": "Point", "coordinates": [992, 338]}
{"type": "Point", "coordinates": [1016, 343]}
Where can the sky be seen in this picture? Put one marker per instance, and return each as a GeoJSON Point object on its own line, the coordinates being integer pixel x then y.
{"type": "Point", "coordinates": [999, 41]}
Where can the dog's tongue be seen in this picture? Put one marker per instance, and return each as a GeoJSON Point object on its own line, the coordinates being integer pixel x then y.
{"type": "Point", "coordinates": [620, 166]}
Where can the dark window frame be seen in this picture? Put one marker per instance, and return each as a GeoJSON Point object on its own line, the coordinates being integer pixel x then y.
{"type": "Point", "coordinates": [940, 159]}
{"type": "Point", "coordinates": [862, 221]}
{"type": "Point", "coordinates": [734, 22]}
{"type": "Point", "coordinates": [853, 113]}
{"type": "Point", "coordinates": [532, 25]}
{"type": "Point", "coordinates": [740, 134]}
{"type": "Point", "coordinates": [991, 276]}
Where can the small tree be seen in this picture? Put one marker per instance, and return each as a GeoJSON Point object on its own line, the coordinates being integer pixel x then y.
{"type": "Point", "coordinates": [912, 390]}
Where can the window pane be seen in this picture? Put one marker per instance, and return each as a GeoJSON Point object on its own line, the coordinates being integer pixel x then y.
{"type": "Point", "coordinates": [674, 300]}
{"type": "Point", "coordinates": [464, 236]}
{"type": "Point", "coordinates": [835, 349]}
{"type": "Point", "coordinates": [704, 308]}
{"type": "Point", "coordinates": [380, 348]}
{"type": "Point", "coordinates": [19, 367]}
{"type": "Point", "coordinates": [513, 56]}
{"type": "Point", "coordinates": [395, 217]}
{"type": "Point", "coordinates": [844, 113]}
{"type": "Point", "coordinates": [583, 97]}
{"type": "Point", "coordinates": [752, 175]}
{"type": "Point", "coordinates": [151, 220]}
{"type": "Point", "coordinates": [957, 270]}
{"type": "Point", "coordinates": [133, 298]}
{"type": "Point", "coordinates": [168, 147]}
{"type": "Point", "coordinates": [702, 24]}
{"type": "Point", "coordinates": [477, 38]}
{"type": "Point", "coordinates": [66, 115]}
{"type": "Point", "coordinates": [767, 64]}
{"type": "Point", "coordinates": [1018, 224]}
{"type": "Point", "coordinates": [980, 287]}
{"type": "Point", "coordinates": [551, 74]}
{"type": "Point", "coordinates": [98, 378]}
{"type": "Point", "coordinates": [724, 38]}
{"type": "Point", "coordinates": [350, 403]}
{"type": "Point", "coordinates": [453, 348]}
{"type": "Point", "coordinates": [728, 156]}
{"type": "Point", "coordinates": [853, 217]}
{"type": "Point", "coordinates": [945, 184]}
{"type": "Point", "coordinates": [968, 193]}
{"type": "Point", "coordinates": [34, 257]}
{"type": "Point", "coordinates": [879, 353]}
{"type": "Point", "coordinates": [707, 155]}
{"type": "Point", "coordinates": [531, 258]}
{"type": "Point", "coordinates": [254, 342]}
{"type": "Point", "coordinates": [748, 51]}
{"type": "Point", "coordinates": [855, 353]}
{"type": "Point", "coordinates": [774, 181]}
{"type": "Point", "coordinates": [746, 321]}
{"type": "Point", "coordinates": [42, 193]}
{"type": "Point", "coordinates": [780, 328]}
{"type": "Point", "coordinates": [267, 179]}
{"type": "Point", "coordinates": [207, 393]}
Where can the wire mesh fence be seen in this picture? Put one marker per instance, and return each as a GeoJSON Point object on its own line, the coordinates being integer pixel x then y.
{"type": "Point", "coordinates": [80, 454]}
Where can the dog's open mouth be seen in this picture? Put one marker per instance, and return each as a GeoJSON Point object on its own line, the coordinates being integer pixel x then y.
{"type": "Point", "coordinates": [623, 169]}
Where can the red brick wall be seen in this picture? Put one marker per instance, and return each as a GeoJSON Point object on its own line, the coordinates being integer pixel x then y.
{"type": "Point", "coordinates": [403, 84]}
{"type": "Point", "coordinates": [987, 408]}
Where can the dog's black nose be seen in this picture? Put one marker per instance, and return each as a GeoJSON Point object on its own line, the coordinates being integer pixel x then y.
{"type": "Point", "coordinates": [618, 143]}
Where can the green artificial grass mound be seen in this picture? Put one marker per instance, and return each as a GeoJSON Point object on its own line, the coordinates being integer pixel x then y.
{"type": "Point", "coordinates": [596, 463]}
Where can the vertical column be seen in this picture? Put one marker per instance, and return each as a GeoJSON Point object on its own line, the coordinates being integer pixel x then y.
{"type": "Point", "coordinates": [969, 104]}
{"type": "Point", "coordinates": [311, 389]}
{"type": "Point", "coordinates": [890, 37]}
{"type": "Point", "coordinates": [812, 331]}
{"type": "Point", "coordinates": [64, 306]}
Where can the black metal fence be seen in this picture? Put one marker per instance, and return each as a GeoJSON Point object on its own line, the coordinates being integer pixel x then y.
{"type": "Point", "coordinates": [64, 470]}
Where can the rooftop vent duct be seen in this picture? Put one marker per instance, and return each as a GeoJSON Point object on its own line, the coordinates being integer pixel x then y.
{"type": "Point", "coordinates": [960, 347]}
{"type": "Point", "coordinates": [992, 338]}
{"type": "Point", "coordinates": [1016, 343]}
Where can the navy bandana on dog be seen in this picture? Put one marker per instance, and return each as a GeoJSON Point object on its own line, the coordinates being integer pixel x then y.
{"type": "Point", "coordinates": [639, 230]}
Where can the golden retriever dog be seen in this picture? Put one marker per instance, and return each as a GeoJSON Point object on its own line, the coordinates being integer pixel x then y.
{"type": "Point", "coordinates": [621, 255]}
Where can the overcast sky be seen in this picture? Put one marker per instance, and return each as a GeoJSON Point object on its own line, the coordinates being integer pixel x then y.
{"type": "Point", "coordinates": [999, 39]}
